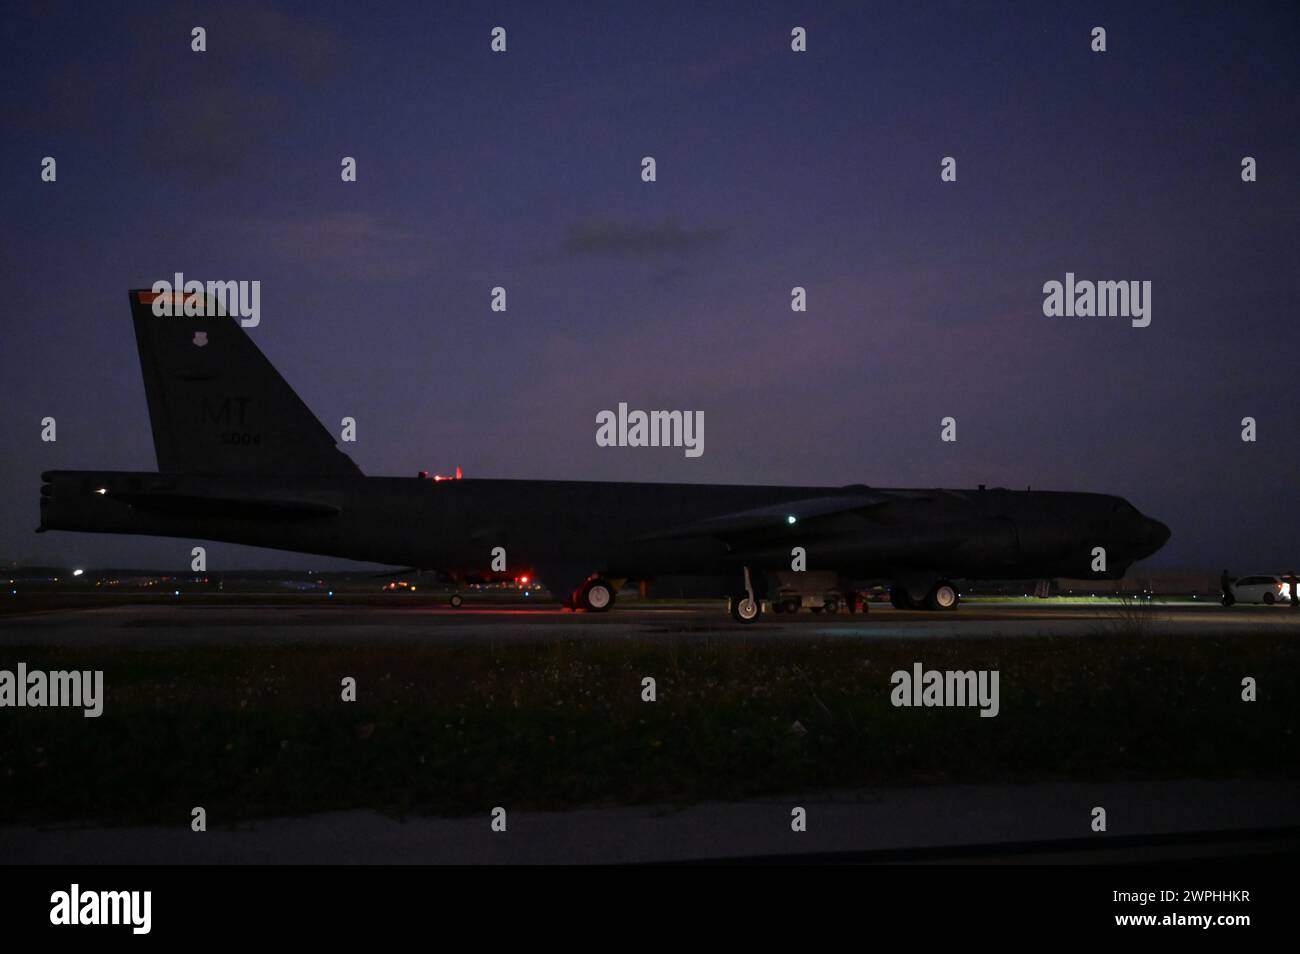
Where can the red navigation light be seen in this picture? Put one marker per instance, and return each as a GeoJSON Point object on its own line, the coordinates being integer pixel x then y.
{"type": "Point", "coordinates": [425, 475]}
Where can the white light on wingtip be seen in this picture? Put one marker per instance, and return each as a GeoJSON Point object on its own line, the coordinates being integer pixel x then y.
{"type": "Point", "coordinates": [101, 490]}
{"type": "Point", "coordinates": [78, 572]}
{"type": "Point", "coordinates": [790, 519]}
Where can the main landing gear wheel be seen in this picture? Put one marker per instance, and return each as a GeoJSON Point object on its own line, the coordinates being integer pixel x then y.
{"type": "Point", "coordinates": [942, 596]}
{"type": "Point", "coordinates": [596, 596]}
{"type": "Point", "coordinates": [456, 600]}
{"type": "Point", "coordinates": [744, 608]}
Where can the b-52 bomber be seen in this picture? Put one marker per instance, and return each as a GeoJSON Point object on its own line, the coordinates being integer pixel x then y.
{"type": "Point", "coordinates": [241, 459]}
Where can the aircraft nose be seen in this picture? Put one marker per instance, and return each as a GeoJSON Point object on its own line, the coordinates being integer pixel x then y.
{"type": "Point", "coordinates": [1154, 535]}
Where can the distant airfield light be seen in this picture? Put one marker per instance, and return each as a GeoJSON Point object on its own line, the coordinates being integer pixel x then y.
{"type": "Point", "coordinates": [78, 572]}
{"type": "Point", "coordinates": [330, 593]}
{"type": "Point", "coordinates": [176, 592]}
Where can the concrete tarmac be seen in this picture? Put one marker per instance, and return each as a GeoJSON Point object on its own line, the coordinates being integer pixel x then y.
{"type": "Point", "coordinates": [182, 623]}
{"type": "Point", "coordinates": [1049, 822]}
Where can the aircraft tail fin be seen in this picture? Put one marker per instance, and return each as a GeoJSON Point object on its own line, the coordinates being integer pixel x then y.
{"type": "Point", "coordinates": [218, 406]}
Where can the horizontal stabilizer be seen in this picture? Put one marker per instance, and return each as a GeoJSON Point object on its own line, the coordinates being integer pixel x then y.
{"type": "Point", "coordinates": [204, 505]}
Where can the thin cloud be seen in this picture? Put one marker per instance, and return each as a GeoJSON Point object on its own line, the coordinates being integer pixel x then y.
{"type": "Point", "coordinates": [230, 100]}
{"type": "Point", "coordinates": [348, 245]}
{"type": "Point", "coordinates": [638, 240]}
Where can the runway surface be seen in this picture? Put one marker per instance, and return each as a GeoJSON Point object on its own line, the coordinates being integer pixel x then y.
{"type": "Point", "coordinates": [1171, 820]}
{"type": "Point", "coordinates": [184, 624]}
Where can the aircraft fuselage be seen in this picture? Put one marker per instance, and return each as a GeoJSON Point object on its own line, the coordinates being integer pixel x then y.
{"type": "Point", "coordinates": [616, 529]}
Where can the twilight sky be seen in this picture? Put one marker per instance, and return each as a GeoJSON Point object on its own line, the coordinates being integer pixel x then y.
{"type": "Point", "coordinates": [775, 169]}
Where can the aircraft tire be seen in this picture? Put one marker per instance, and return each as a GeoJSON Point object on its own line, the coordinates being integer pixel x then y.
{"type": "Point", "coordinates": [942, 596]}
{"type": "Point", "coordinates": [596, 596]}
{"type": "Point", "coordinates": [744, 609]}
{"type": "Point", "coordinates": [455, 601]}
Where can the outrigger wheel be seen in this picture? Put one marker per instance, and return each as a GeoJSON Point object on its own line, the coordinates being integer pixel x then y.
{"type": "Point", "coordinates": [745, 607]}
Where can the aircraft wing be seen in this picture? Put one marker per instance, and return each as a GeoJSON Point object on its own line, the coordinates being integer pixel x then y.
{"type": "Point", "coordinates": [773, 517]}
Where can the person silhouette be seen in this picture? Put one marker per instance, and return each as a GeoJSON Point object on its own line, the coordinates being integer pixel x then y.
{"type": "Point", "coordinates": [1225, 583]}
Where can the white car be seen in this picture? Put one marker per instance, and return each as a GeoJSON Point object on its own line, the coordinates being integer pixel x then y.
{"type": "Point", "coordinates": [1262, 589]}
